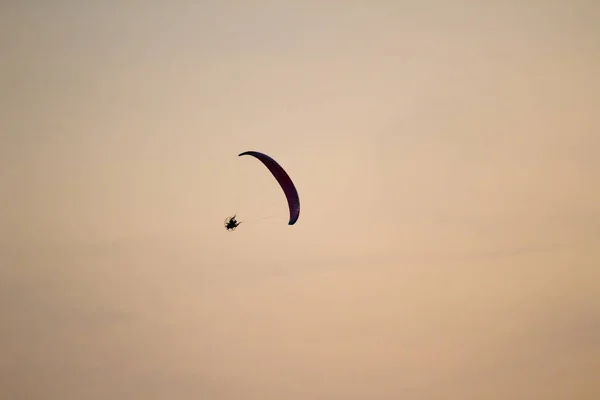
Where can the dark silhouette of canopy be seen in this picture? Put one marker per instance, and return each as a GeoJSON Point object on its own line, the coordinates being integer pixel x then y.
{"type": "Point", "coordinates": [284, 181]}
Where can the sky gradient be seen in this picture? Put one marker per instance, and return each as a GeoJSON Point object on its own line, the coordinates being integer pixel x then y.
{"type": "Point", "coordinates": [446, 156]}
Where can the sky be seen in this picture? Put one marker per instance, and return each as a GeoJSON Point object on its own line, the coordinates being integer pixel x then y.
{"type": "Point", "coordinates": [446, 159]}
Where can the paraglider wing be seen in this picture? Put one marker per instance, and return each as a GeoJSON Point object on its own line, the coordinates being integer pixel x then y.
{"type": "Point", "coordinates": [284, 181]}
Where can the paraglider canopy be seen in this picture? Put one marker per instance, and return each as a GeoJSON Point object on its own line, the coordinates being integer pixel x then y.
{"type": "Point", "coordinates": [284, 180]}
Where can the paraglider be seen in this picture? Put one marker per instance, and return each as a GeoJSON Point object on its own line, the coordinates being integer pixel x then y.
{"type": "Point", "coordinates": [285, 182]}
{"type": "Point", "coordinates": [231, 223]}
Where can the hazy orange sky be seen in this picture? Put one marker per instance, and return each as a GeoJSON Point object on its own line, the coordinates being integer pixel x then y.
{"type": "Point", "coordinates": [446, 156]}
